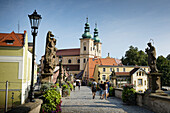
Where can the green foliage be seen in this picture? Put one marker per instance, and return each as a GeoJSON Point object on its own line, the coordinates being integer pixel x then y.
{"type": "Point", "coordinates": [65, 89]}
{"type": "Point", "coordinates": [134, 57]}
{"type": "Point", "coordinates": [111, 91]}
{"type": "Point", "coordinates": [89, 84]}
{"type": "Point", "coordinates": [45, 87]}
{"type": "Point", "coordinates": [52, 101]}
{"type": "Point", "coordinates": [168, 57]}
{"type": "Point", "coordinates": [129, 95]}
{"type": "Point", "coordinates": [71, 86]}
{"type": "Point", "coordinates": [163, 65]}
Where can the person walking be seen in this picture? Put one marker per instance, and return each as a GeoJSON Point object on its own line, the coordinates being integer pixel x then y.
{"type": "Point", "coordinates": [107, 88]}
{"type": "Point", "coordinates": [101, 89]}
{"type": "Point", "coordinates": [79, 84]}
{"type": "Point", "coordinates": [94, 88]}
{"type": "Point", "coordinates": [74, 85]}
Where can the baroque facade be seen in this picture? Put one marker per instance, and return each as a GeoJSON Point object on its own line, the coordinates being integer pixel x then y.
{"type": "Point", "coordinates": [75, 60]}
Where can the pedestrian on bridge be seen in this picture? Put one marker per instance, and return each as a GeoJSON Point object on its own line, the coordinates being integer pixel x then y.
{"type": "Point", "coordinates": [94, 88]}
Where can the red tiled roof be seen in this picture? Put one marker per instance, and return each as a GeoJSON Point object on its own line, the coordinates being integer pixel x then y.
{"type": "Point", "coordinates": [134, 70]}
{"type": "Point", "coordinates": [122, 73]}
{"type": "Point", "coordinates": [100, 61]}
{"type": "Point", "coordinates": [18, 39]}
{"type": "Point", "coordinates": [68, 52]}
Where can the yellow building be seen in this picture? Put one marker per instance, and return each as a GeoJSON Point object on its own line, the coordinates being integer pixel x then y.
{"type": "Point", "coordinates": [139, 77]}
{"type": "Point", "coordinates": [15, 67]}
{"type": "Point", "coordinates": [124, 75]}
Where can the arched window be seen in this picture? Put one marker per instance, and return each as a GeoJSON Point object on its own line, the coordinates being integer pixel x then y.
{"type": "Point", "coordinates": [103, 77]}
{"type": "Point", "coordinates": [69, 61]}
{"type": "Point", "coordinates": [78, 61]}
{"type": "Point", "coordinates": [110, 77]}
{"type": "Point", "coordinates": [84, 60]}
{"type": "Point", "coordinates": [124, 70]}
{"type": "Point", "coordinates": [117, 69]}
{"type": "Point", "coordinates": [84, 48]}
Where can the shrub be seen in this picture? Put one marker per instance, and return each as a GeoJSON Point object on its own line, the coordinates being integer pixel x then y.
{"type": "Point", "coordinates": [89, 84]}
{"type": "Point", "coordinates": [129, 94]}
{"type": "Point", "coordinates": [45, 87]}
{"type": "Point", "coordinates": [65, 90]}
{"type": "Point", "coordinates": [111, 91]}
{"type": "Point", "coordinates": [52, 101]}
{"type": "Point", "coordinates": [70, 85]}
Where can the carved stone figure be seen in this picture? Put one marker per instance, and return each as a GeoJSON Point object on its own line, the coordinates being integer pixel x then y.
{"type": "Point", "coordinates": [50, 53]}
{"type": "Point", "coordinates": [151, 57]}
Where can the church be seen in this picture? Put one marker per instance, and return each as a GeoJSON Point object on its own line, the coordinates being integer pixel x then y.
{"type": "Point", "coordinates": [74, 60]}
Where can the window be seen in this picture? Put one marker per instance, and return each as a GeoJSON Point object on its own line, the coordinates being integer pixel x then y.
{"type": "Point", "coordinates": [139, 73]}
{"type": "Point", "coordinates": [124, 70]}
{"type": "Point", "coordinates": [145, 82]}
{"type": "Point", "coordinates": [78, 61]}
{"type": "Point", "coordinates": [104, 69]}
{"type": "Point", "coordinates": [117, 69]}
{"type": "Point", "coordinates": [140, 91]}
{"type": "Point", "coordinates": [10, 42]}
{"type": "Point", "coordinates": [135, 82]}
{"type": "Point", "coordinates": [84, 48]}
{"type": "Point", "coordinates": [140, 82]}
{"type": "Point", "coordinates": [110, 77]}
{"type": "Point", "coordinates": [103, 77]}
{"type": "Point", "coordinates": [69, 61]}
{"type": "Point", "coordinates": [84, 60]}
{"type": "Point", "coordinates": [110, 69]}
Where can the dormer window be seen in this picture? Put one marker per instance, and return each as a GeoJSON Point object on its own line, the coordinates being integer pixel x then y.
{"type": "Point", "coordinates": [10, 42]}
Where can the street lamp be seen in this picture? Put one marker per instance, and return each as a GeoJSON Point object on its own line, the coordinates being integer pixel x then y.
{"type": "Point", "coordinates": [34, 21]}
{"type": "Point", "coordinates": [68, 70]}
{"type": "Point", "coordinates": [60, 70]}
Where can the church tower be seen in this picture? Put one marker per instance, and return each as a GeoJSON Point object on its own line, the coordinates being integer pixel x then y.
{"type": "Point", "coordinates": [86, 46]}
{"type": "Point", "coordinates": [97, 43]}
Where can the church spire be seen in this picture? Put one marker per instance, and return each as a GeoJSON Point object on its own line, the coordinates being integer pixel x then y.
{"type": "Point", "coordinates": [87, 30]}
{"type": "Point", "coordinates": [96, 38]}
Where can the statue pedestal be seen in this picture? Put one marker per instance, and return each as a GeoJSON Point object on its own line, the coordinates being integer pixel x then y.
{"type": "Point", "coordinates": [155, 83]}
{"type": "Point", "coordinates": [46, 77]}
{"type": "Point", "coordinates": [114, 82]}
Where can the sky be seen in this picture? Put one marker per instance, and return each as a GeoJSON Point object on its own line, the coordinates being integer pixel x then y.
{"type": "Point", "coordinates": [121, 23]}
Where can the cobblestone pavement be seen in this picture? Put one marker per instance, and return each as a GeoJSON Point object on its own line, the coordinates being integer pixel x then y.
{"type": "Point", "coordinates": [80, 101]}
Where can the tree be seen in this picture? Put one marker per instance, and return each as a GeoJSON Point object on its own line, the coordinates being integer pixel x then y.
{"type": "Point", "coordinates": [163, 66]}
{"type": "Point", "coordinates": [168, 57]}
{"type": "Point", "coordinates": [134, 57]}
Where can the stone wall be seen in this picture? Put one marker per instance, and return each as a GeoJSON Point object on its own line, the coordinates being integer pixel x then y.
{"type": "Point", "coordinates": [156, 103]}
{"type": "Point", "coordinates": [118, 92]}
{"type": "Point", "coordinates": [30, 107]}
{"type": "Point", "coordinates": [153, 102]}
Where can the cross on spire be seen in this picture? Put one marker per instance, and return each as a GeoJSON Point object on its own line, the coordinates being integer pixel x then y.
{"type": "Point", "coordinates": [96, 25]}
{"type": "Point", "coordinates": [87, 19]}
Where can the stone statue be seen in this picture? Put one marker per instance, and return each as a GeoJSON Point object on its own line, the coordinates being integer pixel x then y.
{"type": "Point", "coordinates": [151, 57]}
{"type": "Point", "coordinates": [50, 53]}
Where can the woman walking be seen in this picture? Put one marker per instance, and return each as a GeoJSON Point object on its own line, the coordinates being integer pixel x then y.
{"type": "Point", "coordinates": [94, 88]}
{"type": "Point", "coordinates": [74, 85]}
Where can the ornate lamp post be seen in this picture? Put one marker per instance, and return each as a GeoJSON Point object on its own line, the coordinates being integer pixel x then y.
{"type": "Point", "coordinates": [68, 70]}
{"type": "Point", "coordinates": [60, 70]}
{"type": "Point", "coordinates": [34, 21]}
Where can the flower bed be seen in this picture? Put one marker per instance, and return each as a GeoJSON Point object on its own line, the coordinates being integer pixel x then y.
{"type": "Point", "coordinates": [129, 94]}
{"type": "Point", "coordinates": [51, 100]}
